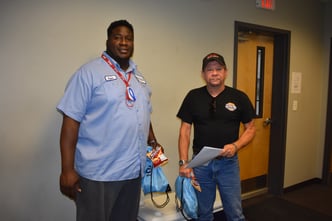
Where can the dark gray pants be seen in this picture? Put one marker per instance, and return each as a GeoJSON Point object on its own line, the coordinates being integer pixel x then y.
{"type": "Point", "coordinates": [108, 201]}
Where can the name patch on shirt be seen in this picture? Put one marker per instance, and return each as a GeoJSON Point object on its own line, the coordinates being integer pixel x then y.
{"type": "Point", "coordinates": [140, 79]}
{"type": "Point", "coordinates": [110, 77]}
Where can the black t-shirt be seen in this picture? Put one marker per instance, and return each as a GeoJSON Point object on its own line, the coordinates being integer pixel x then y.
{"type": "Point", "coordinates": [217, 126]}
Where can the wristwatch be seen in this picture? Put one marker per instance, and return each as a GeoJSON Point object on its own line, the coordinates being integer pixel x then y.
{"type": "Point", "coordinates": [182, 162]}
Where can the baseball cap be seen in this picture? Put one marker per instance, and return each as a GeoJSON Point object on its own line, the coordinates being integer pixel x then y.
{"type": "Point", "coordinates": [213, 57]}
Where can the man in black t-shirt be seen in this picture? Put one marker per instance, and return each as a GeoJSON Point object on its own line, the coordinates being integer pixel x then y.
{"type": "Point", "coordinates": [216, 112]}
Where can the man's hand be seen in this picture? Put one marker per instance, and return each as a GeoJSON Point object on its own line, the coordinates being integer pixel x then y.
{"type": "Point", "coordinates": [69, 184]}
{"type": "Point", "coordinates": [186, 172]}
{"type": "Point", "coordinates": [154, 144]}
{"type": "Point", "coordinates": [229, 150]}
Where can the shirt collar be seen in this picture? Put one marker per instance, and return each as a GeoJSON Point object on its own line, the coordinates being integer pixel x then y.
{"type": "Point", "coordinates": [131, 68]}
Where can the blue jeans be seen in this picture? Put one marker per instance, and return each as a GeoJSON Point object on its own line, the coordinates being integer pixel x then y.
{"type": "Point", "coordinates": [224, 174]}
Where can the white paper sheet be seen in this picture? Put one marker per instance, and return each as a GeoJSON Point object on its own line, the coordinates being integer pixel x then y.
{"type": "Point", "coordinates": [205, 155]}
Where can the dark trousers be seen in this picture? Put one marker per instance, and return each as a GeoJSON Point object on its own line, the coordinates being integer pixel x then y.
{"type": "Point", "coordinates": [108, 201]}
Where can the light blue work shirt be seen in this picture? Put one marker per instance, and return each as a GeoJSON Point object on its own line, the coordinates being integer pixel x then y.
{"type": "Point", "coordinates": [112, 137]}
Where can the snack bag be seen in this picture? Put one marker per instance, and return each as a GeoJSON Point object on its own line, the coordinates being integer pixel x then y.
{"type": "Point", "coordinates": [195, 184]}
{"type": "Point", "coordinates": [157, 157]}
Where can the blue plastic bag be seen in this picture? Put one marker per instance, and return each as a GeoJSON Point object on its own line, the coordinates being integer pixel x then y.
{"type": "Point", "coordinates": [154, 180]}
{"type": "Point", "coordinates": [185, 195]}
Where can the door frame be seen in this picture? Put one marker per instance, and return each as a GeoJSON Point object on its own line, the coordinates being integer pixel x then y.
{"type": "Point", "coordinates": [327, 179]}
{"type": "Point", "coordinates": [279, 105]}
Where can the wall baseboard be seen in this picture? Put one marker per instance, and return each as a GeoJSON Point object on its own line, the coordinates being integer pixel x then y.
{"type": "Point", "coordinates": [303, 184]}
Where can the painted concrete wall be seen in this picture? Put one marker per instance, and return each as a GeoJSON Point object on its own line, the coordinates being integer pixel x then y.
{"type": "Point", "coordinates": [43, 42]}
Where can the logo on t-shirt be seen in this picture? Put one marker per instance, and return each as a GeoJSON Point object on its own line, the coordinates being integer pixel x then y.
{"type": "Point", "coordinates": [230, 106]}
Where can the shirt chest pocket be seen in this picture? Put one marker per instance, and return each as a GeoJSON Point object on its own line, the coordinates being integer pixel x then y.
{"type": "Point", "coordinates": [110, 91]}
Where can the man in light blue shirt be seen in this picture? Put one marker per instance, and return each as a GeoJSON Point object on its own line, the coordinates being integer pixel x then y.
{"type": "Point", "coordinates": [106, 128]}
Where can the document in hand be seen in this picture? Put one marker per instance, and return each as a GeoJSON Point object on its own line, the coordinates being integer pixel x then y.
{"type": "Point", "coordinates": [205, 155]}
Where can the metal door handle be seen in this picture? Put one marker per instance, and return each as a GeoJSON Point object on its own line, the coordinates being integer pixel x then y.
{"type": "Point", "coordinates": [267, 122]}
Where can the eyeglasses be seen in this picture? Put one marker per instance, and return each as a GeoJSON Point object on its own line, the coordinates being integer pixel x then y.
{"type": "Point", "coordinates": [213, 105]}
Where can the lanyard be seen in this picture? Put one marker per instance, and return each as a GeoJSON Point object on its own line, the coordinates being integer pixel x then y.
{"type": "Point", "coordinates": [130, 96]}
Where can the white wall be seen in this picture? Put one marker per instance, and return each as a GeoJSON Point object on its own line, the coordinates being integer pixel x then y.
{"type": "Point", "coordinates": [43, 42]}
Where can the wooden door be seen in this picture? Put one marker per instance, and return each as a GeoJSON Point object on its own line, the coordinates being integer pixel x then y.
{"type": "Point", "coordinates": [254, 77]}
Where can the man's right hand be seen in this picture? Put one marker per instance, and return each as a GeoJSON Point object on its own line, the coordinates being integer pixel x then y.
{"type": "Point", "coordinates": [186, 172]}
{"type": "Point", "coordinates": [69, 184]}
